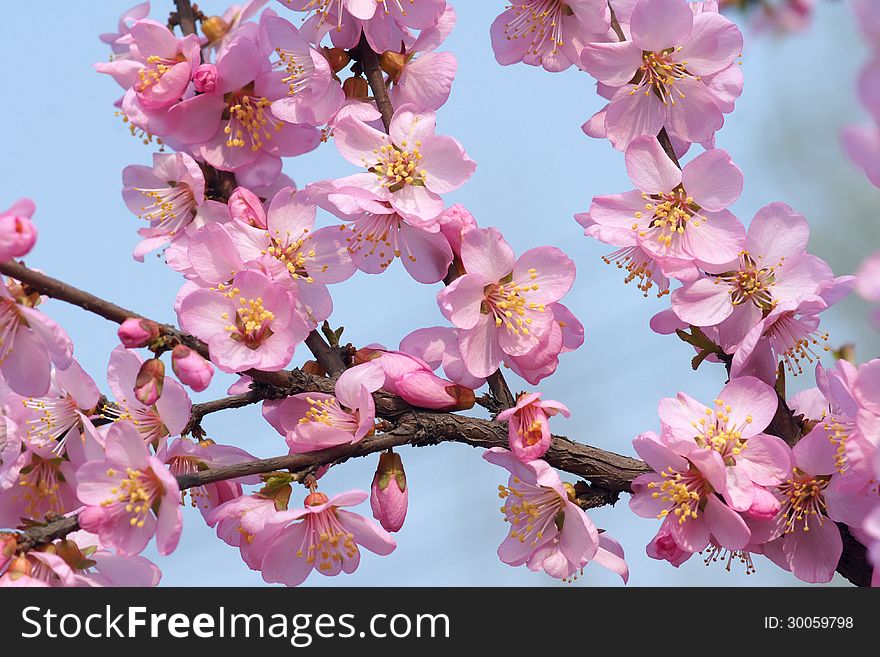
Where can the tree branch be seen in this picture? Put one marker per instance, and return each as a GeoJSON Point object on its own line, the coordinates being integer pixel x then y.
{"type": "Point", "coordinates": [369, 60]}
{"type": "Point", "coordinates": [186, 17]}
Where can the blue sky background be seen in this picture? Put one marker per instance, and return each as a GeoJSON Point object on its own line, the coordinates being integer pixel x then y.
{"type": "Point", "coordinates": [64, 148]}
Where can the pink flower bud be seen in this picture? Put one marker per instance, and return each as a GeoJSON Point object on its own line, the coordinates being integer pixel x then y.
{"type": "Point", "coordinates": [427, 390]}
{"type": "Point", "coordinates": [17, 233]}
{"type": "Point", "coordinates": [455, 222]}
{"type": "Point", "coordinates": [137, 332]}
{"type": "Point", "coordinates": [664, 548]}
{"type": "Point", "coordinates": [205, 78]}
{"type": "Point", "coordinates": [389, 495]}
{"type": "Point", "coordinates": [149, 381]}
{"type": "Point", "coordinates": [191, 368]}
{"type": "Point", "coordinates": [245, 206]}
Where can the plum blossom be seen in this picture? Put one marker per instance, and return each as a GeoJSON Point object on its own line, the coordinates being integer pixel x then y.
{"type": "Point", "coordinates": [17, 233]}
{"type": "Point", "coordinates": [500, 304]}
{"type": "Point", "coordinates": [241, 522]}
{"type": "Point", "coordinates": [409, 167]}
{"type": "Point", "coordinates": [313, 421]}
{"type": "Point", "coordinates": [248, 323]}
{"type": "Point", "coordinates": [548, 33]}
{"type": "Point", "coordinates": [773, 268]}
{"type": "Point", "coordinates": [129, 17]}
{"type": "Point", "coordinates": [663, 75]}
{"type": "Point", "coordinates": [548, 531]}
{"type": "Point", "coordinates": [528, 427]}
{"type": "Point", "coordinates": [676, 221]}
{"type": "Point", "coordinates": [437, 346]}
{"type": "Point", "coordinates": [323, 537]}
{"type": "Point", "coordinates": [129, 495]}
{"type": "Point", "coordinates": [156, 422]}
{"type": "Point", "coordinates": [566, 334]}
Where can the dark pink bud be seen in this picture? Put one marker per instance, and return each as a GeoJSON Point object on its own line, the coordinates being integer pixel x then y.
{"type": "Point", "coordinates": [191, 368]}
{"type": "Point", "coordinates": [664, 548]}
{"type": "Point", "coordinates": [17, 236]}
{"type": "Point", "coordinates": [149, 381]}
{"type": "Point", "coordinates": [137, 332]}
{"type": "Point", "coordinates": [389, 495]}
{"type": "Point", "coordinates": [91, 518]}
{"type": "Point", "coordinates": [205, 78]}
{"type": "Point", "coordinates": [245, 206]}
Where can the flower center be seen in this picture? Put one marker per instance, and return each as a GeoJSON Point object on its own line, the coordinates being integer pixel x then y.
{"type": "Point", "coordinates": [291, 254]}
{"type": "Point", "coordinates": [684, 491]}
{"type": "Point", "coordinates": [322, 9]}
{"type": "Point", "coordinates": [298, 66]}
{"type": "Point", "coordinates": [639, 267]}
{"type": "Point", "coordinates": [659, 73]}
{"type": "Point", "coordinates": [397, 168]}
{"type": "Point", "coordinates": [136, 493]}
{"type": "Point", "coordinates": [507, 303]}
{"type": "Point", "coordinates": [539, 22]}
{"type": "Point", "coordinates": [154, 70]}
{"type": "Point", "coordinates": [253, 322]}
{"type": "Point", "coordinates": [249, 120]}
{"type": "Point", "coordinates": [802, 499]}
{"type": "Point", "coordinates": [839, 429]}
{"type": "Point", "coordinates": [796, 339]}
{"type": "Point", "coordinates": [57, 417]}
{"type": "Point", "coordinates": [145, 419]}
{"type": "Point", "coordinates": [717, 433]}
{"type": "Point", "coordinates": [672, 214]}
{"type": "Point", "coordinates": [331, 414]}
{"type": "Point", "coordinates": [40, 481]}
{"type": "Point", "coordinates": [172, 207]}
{"type": "Point", "coordinates": [751, 283]}
{"type": "Point", "coordinates": [530, 509]}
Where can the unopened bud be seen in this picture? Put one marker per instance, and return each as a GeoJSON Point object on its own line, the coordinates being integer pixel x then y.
{"type": "Point", "coordinates": [149, 381]}
{"type": "Point", "coordinates": [138, 332]}
{"type": "Point", "coordinates": [393, 64]}
{"type": "Point", "coordinates": [17, 233]}
{"type": "Point", "coordinates": [192, 370]}
{"type": "Point", "coordinates": [205, 78]}
{"type": "Point", "coordinates": [356, 87]}
{"type": "Point", "coordinates": [389, 495]}
{"type": "Point", "coordinates": [214, 28]}
{"type": "Point", "coordinates": [246, 206]}
{"type": "Point", "coordinates": [337, 57]}
{"type": "Point", "coordinates": [427, 390]}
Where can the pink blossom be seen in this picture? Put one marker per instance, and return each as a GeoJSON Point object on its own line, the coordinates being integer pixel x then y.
{"type": "Point", "coordinates": [128, 18]}
{"type": "Point", "coordinates": [420, 76]}
{"type": "Point", "coordinates": [313, 421]}
{"type": "Point", "coordinates": [191, 368]}
{"type": "Point", "coordinates": [154, 422]}
{"type": "Point", "coordinates": [246, 206]}
{"type": "Point", "coordinates": [248, 323]}
{"type": "Point", "coordinates": [663, 547]}
{"type": "Point", "coordinates": [137, 332]}
{"type": "Point", "coordinates": [547, 530]}
{"type": "Point", "coordinates": [129, 495]}
{"type": "Point", "coordinates": [17, 233]}
{"type": "Point", "coordinates": [801, 536]}
{"type": "Point", "coordinates": [566, 334]}
{"type": "Point", "coordinates": [45, 484]}
{"type": "Point", "coordinates": [500, 304]}
{"type": "Point", "coordinates": [548, 33]}
{"type": "Point", "coordinates": [389, 494]}
{"type": "Point", "coordinates": [233, 128]}
{"type": "Point", "coordinates": [528, 427]}
{"type": "Point", "coordinates": [323, 537]}
{"type": "Point", "coordinates": [409, 167]}
{"type": "Point", "coordinates": [169, 195]}
{"type": "Point", "coordinates": [10, 453]}
{"type": "Point", "coordinates": [314, 94]}
{"type": "Point", "coordinates": [184, 456]}
{"type": "Point", "coordinates": [663, 75]}
{"type": "Point", "coordinates": [437, 346]}
{"type": "Point", "coordinates": [677, 218]}
{"type": "Point", "coordinates": [205, 78]}
{"type": "Point", "coordinates": [733, 428]}
{"type": "Point", "coordinates": [30, 342]}
{"type": "Point", "coordinates": [682, 491]}
{"type": "Point", "coordinates": [297, 257]}
{"type": "Point", "coordinates": [773, 268]}
{"type": "Point", "coordinates": [861, 143]}
{"type": "Point", "coordinates": [379, 234]}
{"type": "Point", "coordinates": [241, 522]}
{"type": "Point", "coordinates": [455, 222]}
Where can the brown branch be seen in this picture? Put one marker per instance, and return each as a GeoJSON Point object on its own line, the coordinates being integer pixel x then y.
{"type": "Point", "coordinates": [328, 357]}
{"type": "Point", "coordinates": [186, 17]}
{"type": "Point", "coordinates": [369, 60]}
{"type": "Point", "coordinates": [51, 531]}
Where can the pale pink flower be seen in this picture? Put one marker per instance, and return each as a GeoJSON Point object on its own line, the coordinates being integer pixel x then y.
{"type": "Point", "coordinates": [184, 456]}
{"type": "Point", "coordinates": [205, 78]}
{"type": "Point", "coordinates": [677, 217]}
{"type": "Point", "coordinates": [664, 548]}
{"type": "Point", "coordinates": [566, 334]}
{"type": "Point", "coordinates": [683, 492]}
{"type": "Point", "coordinates": [528, 426]}
{"type": "Point", "coordinates": [389, 494]}
{"type": "Point", "coordinates": [45, 484]}
{"type": "Point", "coordinates": [663, 75]}
{"type": "Point", "coordinates": [455, 221]}
{"type": "Point", "coordinates": [94, 565]}
{"type": "Point", "coordinates": [773, 268]}
{"type": "Point", "coordinates": [409, 167]}
{"type": "Point", "coordinates": [129, 495]}
{"type": "Point", "coordinates": [297, 257]}
{"type": "Point", "coordinates": [733, 427]}
{"type": "Point", "coordinates": [437, 346]}
{"type": "Point", "coordinates": [801, 536]}
{"type": "Point", "coordinates": [156, 422]}
{"type": "Point", "coordinates": [314, 94]}
{"type": "Point", "coordinates": [247, 207]}
{"type": "Point", "coordinates": [123, 28]}
{"type": "Point", "coordinates": [539, 511]}
{"type": "Point", "coordinates": [380, 235]}
{"type": "Point", "coordinates": [191, 368]}
{"type": "Point", "coordinates": [500, 304]}
{"type": "Point", "coordinates": [313, 421]}
{"type": "Point", "coordinates": [241, 522]}
{"type": "Point", "coordinates": [249, 323]}
{"type": "Point", "coordinates": [17, 233]}
{"type": "Point", "coordinates": [233, 23]}
{"type": "Point", "coordinates": [420, 76]}
{"type": "Point", "coordinates": [233, 128]}
{"type": "Point", "coordinates": [30, 342]}
{"type": "Point", "coordinates": [323, 537]}
{"type": "Point", "coordinates": [549, 33]}
{"type": "Point", "coordinates": [168, 195]}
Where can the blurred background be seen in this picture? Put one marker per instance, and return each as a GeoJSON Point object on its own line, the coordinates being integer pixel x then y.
{"type": "Point", "coordinates": [63, 147]}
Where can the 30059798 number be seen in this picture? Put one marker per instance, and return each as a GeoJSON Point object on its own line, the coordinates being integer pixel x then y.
{"type": "Point", "coordinates": [809, 622]}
